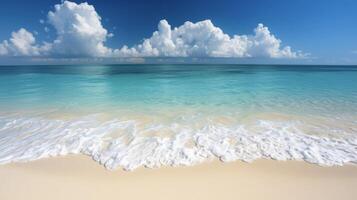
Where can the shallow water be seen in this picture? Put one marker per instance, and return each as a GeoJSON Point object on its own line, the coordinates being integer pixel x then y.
{"type": "Point", "coordinates": [134, 115]}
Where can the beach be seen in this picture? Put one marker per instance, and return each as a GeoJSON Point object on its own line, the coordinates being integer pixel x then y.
{"type": "Point", "coordinates": [93, 132]}
{"type": "Point", "coordinates": [178, 100]}
{"type": "Point", "coordinates": [78, 177]}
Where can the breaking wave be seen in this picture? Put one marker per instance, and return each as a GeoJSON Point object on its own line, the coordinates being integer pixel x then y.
{"type": "Point", "coordinates": [127, 144]}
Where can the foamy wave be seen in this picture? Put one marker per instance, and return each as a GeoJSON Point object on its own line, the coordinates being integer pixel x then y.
{"type": "Point", "coordinates": [117, 143]}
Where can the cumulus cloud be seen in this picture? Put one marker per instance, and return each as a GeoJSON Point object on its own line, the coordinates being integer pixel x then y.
{"type": "Point", "coordinates": [203, 39]}
{"type": "Point", "coordinates": [22, 43]}
{"type": "Point", "coordinates": [80, 33]}
{"type": "Point", "coordinates": [265, 44]}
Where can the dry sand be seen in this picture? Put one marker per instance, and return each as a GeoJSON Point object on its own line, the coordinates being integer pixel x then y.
{"type": "Point", "coordinates": [78, 177]}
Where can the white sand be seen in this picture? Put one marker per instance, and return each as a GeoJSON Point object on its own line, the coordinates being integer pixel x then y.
{"type": "Point", "coordinates": [78, 177]}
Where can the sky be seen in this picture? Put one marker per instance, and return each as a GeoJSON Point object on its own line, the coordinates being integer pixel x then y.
{"type": "Point", "coordinates": [300, 31]}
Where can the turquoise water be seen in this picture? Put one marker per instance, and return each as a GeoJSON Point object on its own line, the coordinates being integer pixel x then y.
{"type": "Point", "coordinates": [310, 89]}
{"type": "Point", "coordinates": [55, 110]}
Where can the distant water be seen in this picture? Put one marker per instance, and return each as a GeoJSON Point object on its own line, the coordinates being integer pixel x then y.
{"type": "Point", "coordinates": [152, 115]}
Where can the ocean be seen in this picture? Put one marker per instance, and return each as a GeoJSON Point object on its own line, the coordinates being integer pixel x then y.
{"type": "Point", "coordinates": [128, 116]}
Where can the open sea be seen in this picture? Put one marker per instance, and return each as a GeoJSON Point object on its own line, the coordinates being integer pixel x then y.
{"type": "Point", "coordinates": [128, 116]}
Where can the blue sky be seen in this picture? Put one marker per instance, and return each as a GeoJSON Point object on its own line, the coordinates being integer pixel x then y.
{"type": "Point", "coordinates": [325, 31]}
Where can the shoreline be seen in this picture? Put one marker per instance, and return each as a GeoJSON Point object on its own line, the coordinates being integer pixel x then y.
{"type": "Point", "coordinates": [79, 177]}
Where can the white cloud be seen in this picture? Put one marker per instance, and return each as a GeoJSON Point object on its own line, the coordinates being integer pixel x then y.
{"type": "Point", "coordinates": [79, 30]}
{"type": "Point", "coordinates": [203, 39]}
{"type": "Point", "coordinates": [80, 33]}
{"type": "Point", "coordinates": [110, 35]}
{"type": "Point", "coordinates": [265, 44]}
{"type": "Point", "coordinates": [22, 43]}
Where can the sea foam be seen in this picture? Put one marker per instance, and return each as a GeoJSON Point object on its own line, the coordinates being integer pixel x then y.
{"type": "Point", "coordinates": [122, 144]}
